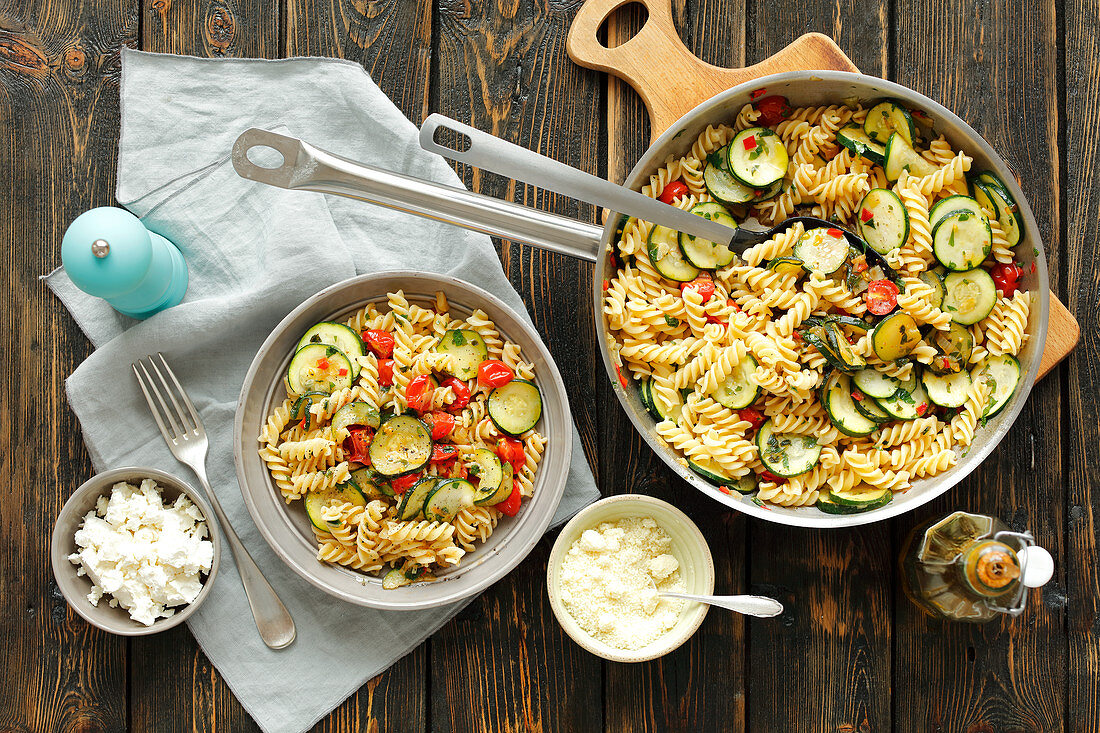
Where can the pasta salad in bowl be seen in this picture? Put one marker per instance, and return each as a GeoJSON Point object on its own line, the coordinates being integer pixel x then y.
{"type": "Point", "coordinates": [808, 372]}
{"type": "Point", "coordinates": [411, 431]}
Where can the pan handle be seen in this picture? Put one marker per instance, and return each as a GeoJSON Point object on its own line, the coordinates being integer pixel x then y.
{"type": "Point", "coordinates": [304, 167]}
{"type": "Point", "coordinates": [491, 153]}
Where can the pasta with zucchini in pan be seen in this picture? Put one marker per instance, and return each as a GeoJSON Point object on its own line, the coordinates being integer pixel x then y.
{"type": "Point", "coordinates": [407, 433]}
{"type": "Point", "coordinates": [809, 372]}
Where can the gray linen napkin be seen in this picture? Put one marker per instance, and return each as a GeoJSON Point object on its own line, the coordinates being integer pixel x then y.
{"type": "Point", "coordinates": [254, 253]}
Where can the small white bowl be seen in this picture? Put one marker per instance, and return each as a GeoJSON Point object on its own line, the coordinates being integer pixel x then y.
{"type": "Point", "coordinates": [75, 588]}
{"type": "Point", "coordinates": [688, 547]}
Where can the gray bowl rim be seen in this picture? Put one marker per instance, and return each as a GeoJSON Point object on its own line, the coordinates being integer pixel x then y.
{"type": "Point", "coordinates": [864, 87]}
{"type": "Point", "coordinates": [100, 484]}
{"type": "Point", "coordinates": [530, 525]}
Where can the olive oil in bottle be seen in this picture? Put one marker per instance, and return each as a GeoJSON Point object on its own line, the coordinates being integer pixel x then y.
{"type": "Point", "coordinates": [970, 567]}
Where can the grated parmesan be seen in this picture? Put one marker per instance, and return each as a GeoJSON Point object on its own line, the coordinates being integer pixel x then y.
{"type": "Point", "coordinates": [610, 578]}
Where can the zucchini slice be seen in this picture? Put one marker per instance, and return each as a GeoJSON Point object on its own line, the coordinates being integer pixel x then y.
{"type": "Point", "coordinates": [886, 118]}
{"type": "Point", "coordinates": [757, 157]}
{"type": "Point", "coordinates": [895, 336]}
{"type": "Point", "coordinates": [319, 368]}
{"type": "Point", "coordinates": [1008, 211]}
{"type": "Point", "coordinates": [645, 394]}
{"type": "Point", "coordinates": [302, 405]}
{"type": "Point", "coordinates": [317, 501]}
{"type": "Point", "coordinates": [952, 205]}
{"type": "Point", "coordinates": [447, 499]}
{"type": "Point", "coordinates": [402, 445]}
{"type": "Point", "coordinates": [703, 253]}
{"type": "Point", "coordinates": [355, 413]}
{"type": "Point", "coordinates": [955, 345]}
{"type": "Point", "coordinates": [787, 266]}
{"type": "Point", "coordinates": [839, 343]}
{"type": "Point", "coordinates": [946, 390]}
{"type": "Point", "coordinates": [342, 337]}
{"type": "Point", "coordinates": [858, 142]}
{"type": "Point", "coordinates": [714, 475]}
{"type": "Point", "coordinates": [936, 282]}
{"type": "Point", "coordinates": [1004, 371]}
{"type": "Point", "coordinates": [672, 412]}
{"type": "Point", "coordinates": [906, 403]}
{"type": "Point", "coordinates": [786, 454]}
{"type": "Point", "coordinates": [827, 505]}
{"type": "Point", "coordinates": [368, 483]}
{"type": "Point", "coordinates": [721, 184]}
{"type": "Point", "coordinates": [876, 384]}
{"type": "Point", "coordinates": [515, 407]}
{"type": "Point", "coordinates": [822, 250]}
{"type": "Point", "coordinates": [663, 249]}
{"type": "Point", "coordinates": [887, 222]}
{"type": "Point", "coordinates": [412, 501]}
{"type": "Point", "coordinates": [738, 390]}
{"type": "Point", "coordinates": [394, 579]}
{"type": "Point", "coordinates": [486, 466]}
{"type": "Point", "coordinates": [841, 407]}
{"type": "Point", "coordinates": [861, 497]}
{"type": "Point", "coordinates": [468, 349]}
{"type": "Point", "coordinates": [962, 240]}
{"type": "Point", "coordinates": [869, 408]}
{"type": "Point", "coordinates": [815, 336]}
{"type": "Point", "coordinates": [503, 491]}
{"type": "Point", "coordinates": [900, 156]}
{"type": "Point", "coordinates": [851, 322]}
{"type": "Point", "coordinates": [768, 193]}
{"type": "Point", "coordinates": [970, 297]}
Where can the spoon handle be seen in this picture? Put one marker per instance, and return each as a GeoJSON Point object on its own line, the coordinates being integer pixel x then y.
{"type": "Point", "coordinates": [760, 606]}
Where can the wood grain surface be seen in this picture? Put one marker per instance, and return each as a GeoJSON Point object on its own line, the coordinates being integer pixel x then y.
{"type": "Point", "coordinates": [851, 653]}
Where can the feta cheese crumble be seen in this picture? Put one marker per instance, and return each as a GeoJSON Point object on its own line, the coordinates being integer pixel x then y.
{"type": "Point", "coordinates": [145, 555]}
{"type": "Point", "coordinates": [610, 578]}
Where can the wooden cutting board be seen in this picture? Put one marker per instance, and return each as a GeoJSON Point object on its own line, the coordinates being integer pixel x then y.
{"type": "Point", "coordinates": [682, 81]}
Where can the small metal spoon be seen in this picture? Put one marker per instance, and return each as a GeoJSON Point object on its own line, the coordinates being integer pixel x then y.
{"type": "Point", "coordinates": [759, 606]}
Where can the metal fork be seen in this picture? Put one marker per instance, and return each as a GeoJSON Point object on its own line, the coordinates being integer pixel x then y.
{"type": "Point", "coordinates": [186, 438]}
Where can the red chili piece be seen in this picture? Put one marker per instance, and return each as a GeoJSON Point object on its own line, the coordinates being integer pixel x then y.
{"type": "Point", "coordinates": [773, 110]}
{"type": "Point", "coordinates": [385, 372]}
{"type": "Point", "coordinates": [418, 393]}
{"type": "Point", "coordinates": [401, 484]}
{"type": "Point", "coordinates": [922, 408]}
{"type": "Point", "coordinates": [866, 215]}
{"type": "Point", "coordinates": [752, 416]}
{"type": "Point", "coordinates": [769, 476]}
{"type": "Point", "coordinates": [493, 373]}
{"type": "Point", "coordinates": [881, 296]}
{"type": "Point", "coordinates": [733, 304]}
{"type": "Point", "coordinates": [724, 489]}
{"type": "Point", "coordinates": [673, 191]}
{"type": "Point", "coordinates": [606, 285]}
{"type": "Point", "coordinates": [441, 423]}
{"type": "Point", "coordinates": [462, 393]}
{"type": "Point", "coordinates": [834, 232]}
{"type": "Point", "coordinates": [757, 93]}
{"type": "Point", "coordinates": [622, 379]}
{"type": "Point", "coordinates": [510, 506]}
{"type": "Point", "coordinates": [343, 372]}
{"type": "Point", "coordinates": [749, 142]}
{"type": "Point", "coordinates": [703, 284]}
{"type": "Point", "coordinates": [323, 363]}
{"type": "Point", "coordinates": [857, 395]}
{"type": "Point", "coordinates": [379, 341]}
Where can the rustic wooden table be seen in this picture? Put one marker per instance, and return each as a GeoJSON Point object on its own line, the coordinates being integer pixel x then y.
{"type": "Point", "coordinates": [851, 653]}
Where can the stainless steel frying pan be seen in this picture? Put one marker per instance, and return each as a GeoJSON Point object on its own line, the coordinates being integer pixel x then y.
{"type": "Point", "coordinates": [307, 168]}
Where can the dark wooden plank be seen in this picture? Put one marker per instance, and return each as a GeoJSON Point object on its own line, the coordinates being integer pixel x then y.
{"type": "Point", "coordinates": [836, 584]}
{"type": "Point", "coordinates": [1081, 293]}
{"type": "Point", "coordinates": [700, 686]}
{"type": "Point", "coordinates": [214, 28]}
{"type": "Point", "coordinates": [170, 672]}
{"type": "Point", "coordinates": [58, 124]}
{"type": "Point", "coordinates": [392, 39]}
{"type": "Point", "coordinates": [505, 664]}
{"type": "Point", "coordinates": [1006, 675]}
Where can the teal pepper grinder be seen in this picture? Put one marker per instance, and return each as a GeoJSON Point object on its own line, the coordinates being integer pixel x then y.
{"type": "Point", "coordinates": [107, 252]}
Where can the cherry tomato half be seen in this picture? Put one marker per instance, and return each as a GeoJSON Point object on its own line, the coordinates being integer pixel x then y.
{"type": "Point", "coordinates": [385, 372]}
{"type": "Point", "coordinates": [673, 191]}
{"type": "Point", "coordinates": [444, 452]}
{"type": "Point", "coordinates": [510, 450]}
{"type": "Point", "coordinates": [493, 373]}
{"type": "Point", "coordinates": [703, 284]}
{"type": "Point", "coordinates": [769, 476]}
{"type": "Point", "coordinates": [441, 423]}
{"type": "Point", "coordinates": [773, 110]}
{"type": "Point", "coordinates": [357, 443]}
{"type": "Point", "coordinates": [510, 506]}
{"type": "Point", "coordinates": [418, 393]}
{"type": "Point", "coordinates": [401, 484]}
{"type": "Point", "coordinates": [379, 341]}
{"type": "Point", "coordinates": [462, 393]}
{"type": "Point", "coordinates": [881, 296]}
{"type": "Point", "coordinates": [752, 416]}
{"type": "Point", "coordinates": [1006, 278]}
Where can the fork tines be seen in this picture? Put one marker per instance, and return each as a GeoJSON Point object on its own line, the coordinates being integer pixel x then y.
{"type": "Point", "coordinates": [183, 423]}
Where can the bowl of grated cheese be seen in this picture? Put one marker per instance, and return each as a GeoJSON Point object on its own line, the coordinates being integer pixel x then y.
{"type": "Point", "coordinates": [607, 567]}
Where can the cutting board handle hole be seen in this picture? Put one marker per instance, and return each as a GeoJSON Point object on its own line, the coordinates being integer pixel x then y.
{"type": "Point", "coordinates": [634, 16]}
{"type": "Point", "coordinates": [265, 156]}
